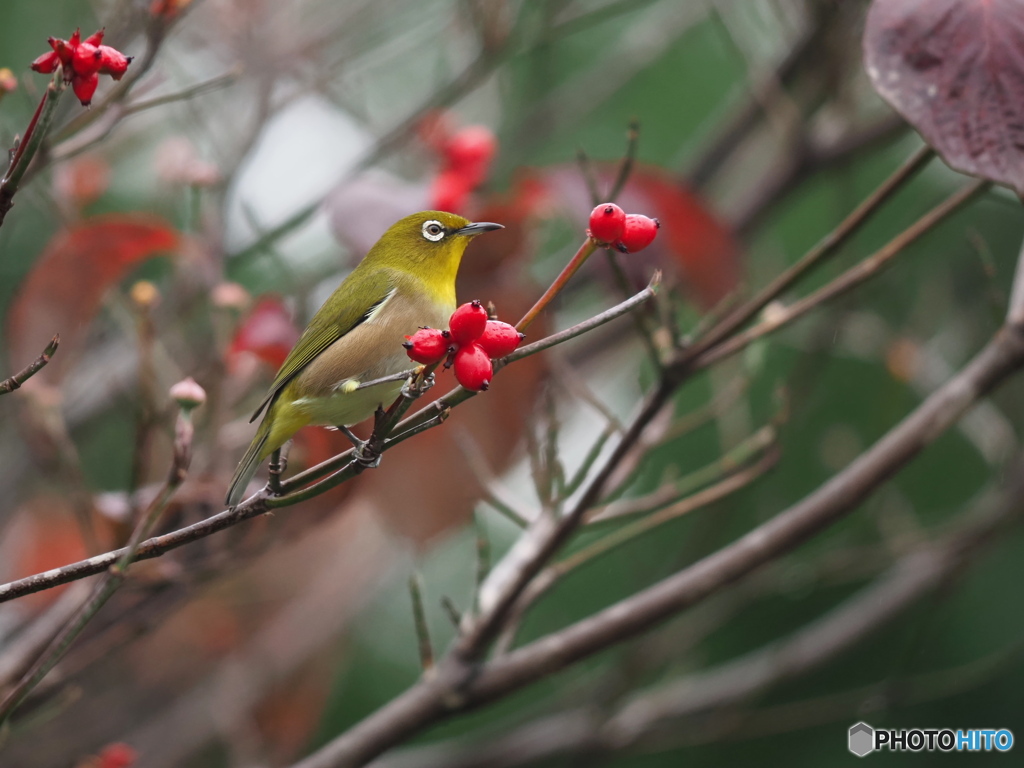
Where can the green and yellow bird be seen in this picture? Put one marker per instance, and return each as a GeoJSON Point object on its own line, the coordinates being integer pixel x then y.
{"type": "Point", "coordinates": [407, 280]}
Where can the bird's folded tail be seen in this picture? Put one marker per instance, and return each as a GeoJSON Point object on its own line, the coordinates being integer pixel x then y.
{"type": "Point", "coordinates": [257, 451]}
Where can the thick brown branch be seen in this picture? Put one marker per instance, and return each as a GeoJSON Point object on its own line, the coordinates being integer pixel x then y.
{"type": "Point", "coordinates": [458, 686]}
{"type": "Point", "coordinates": [737, 681]}
{"type": "Point", "coordinates": [839, 496]}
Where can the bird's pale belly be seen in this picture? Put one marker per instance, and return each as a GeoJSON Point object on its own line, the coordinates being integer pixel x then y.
{"type": "Point", "coordinates": [345, 408]}
{"type": "Point", "coordinates": [322, 392]}
{"type": "Point", "coordinates": [351, 408]}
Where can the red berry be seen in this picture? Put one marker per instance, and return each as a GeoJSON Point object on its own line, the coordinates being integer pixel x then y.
{"type": "Point", "coordinates": [64, 52]}
{"type": "Point", "coordinates": [473, 368]}
{"type": "Point", "coordinates": [428, 346]}
{"type": "Point", "coordinates": [46, 63]}
{"type": "Point", "coordinates": [468, 322]}
{"type": "Point", "coordinates": [86, 60]}
{"type": "Point", "coordinates": [84, 87]}
{"type": "Point", "coordinates": [638, 233]}
{"type": "Point", "coordinates": [450, 191]}
{"type": "Point", "coordinates": [607, 222]}
{"type": "Point", "coordinates": [82, 62]}
{"type": "Point", "coordinates": [470, 150]}
{"type": "Point", "coordinates": [117, 755]}
{"type": "Point", "coordinates": [113, 62]}
{"type": "Point", "coordinates": [499, 339]}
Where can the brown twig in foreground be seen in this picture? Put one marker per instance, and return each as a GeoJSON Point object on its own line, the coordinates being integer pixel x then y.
{"type": "Point", "coordinates": [115, 576]}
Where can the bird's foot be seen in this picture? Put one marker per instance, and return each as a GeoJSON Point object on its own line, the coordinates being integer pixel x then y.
{"type": "Point", "coordinates": [416, 386]}
{"type": "Point", "coordinates": [365, 455]}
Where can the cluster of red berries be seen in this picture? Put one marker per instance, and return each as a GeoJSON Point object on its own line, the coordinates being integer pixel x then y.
{"type": "Point", "coordinates": [83, 61]}
{"type": "Point", "coordinates": [466, 156]}
{"type": "Point", "coordinates": [630, 233]}
{"type": "Point", "coordinates": [470, 344]}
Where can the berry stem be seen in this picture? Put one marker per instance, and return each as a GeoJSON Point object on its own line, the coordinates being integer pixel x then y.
{"type": "Point", "coordinates": [588, 247]}
{"type": "Point", "coordinates": [31, 141]}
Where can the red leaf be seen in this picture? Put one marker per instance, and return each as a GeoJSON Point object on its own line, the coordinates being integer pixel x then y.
{"type": "Point", "coordinates": [41, 535]}
{"type": "Point", "coordinates": [268, 332]}
{"type": "Point", "coordinates": [66, 285]}
{"type": "Point", "coordinates": [955, 70]}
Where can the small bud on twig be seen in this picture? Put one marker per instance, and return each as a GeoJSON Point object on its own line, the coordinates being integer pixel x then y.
{"type": "Point", "coordinates": [231, 296]}
{"type": "Point", "coordinates": [188, 394]}
{"type": "Point", "coordinates": [145, 295]}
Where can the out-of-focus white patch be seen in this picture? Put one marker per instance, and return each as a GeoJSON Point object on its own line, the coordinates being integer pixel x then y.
{"type": "Point", "coordinates": [301, 155]}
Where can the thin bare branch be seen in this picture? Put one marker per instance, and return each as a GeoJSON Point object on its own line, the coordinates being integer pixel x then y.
{"type": "Point", "coordinates": [850, 279]}
{"type": "Point", "coordinates": [574, 483]}
{"type": "Point", "coordinates": [681, 490]}
{"type": "Point", "coordinates": [114, 577]}
{"type": "Point", "coordinates": [14, 382]}
{"type": "Point", "coordinates": [419, 618]}
{"type": "Point", "coordinates": [489, 484]}
{"type": "Point", "coordinates": [828, 246]}
{"type": "Point", "coordinates": [207, 86]}
{"type": "Point", "coordinates": [31, 142]}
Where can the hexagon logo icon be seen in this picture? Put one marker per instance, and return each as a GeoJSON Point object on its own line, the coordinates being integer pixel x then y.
{"type": "Point", "coordinates": [862, 739]}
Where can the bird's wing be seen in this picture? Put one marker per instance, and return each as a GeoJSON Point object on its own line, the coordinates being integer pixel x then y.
{"type": "Point", "coordinates": [329, 325]}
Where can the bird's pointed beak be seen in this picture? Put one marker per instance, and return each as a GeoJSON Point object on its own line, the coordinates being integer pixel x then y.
{"type": "Point", "coordinates": [471, 230]}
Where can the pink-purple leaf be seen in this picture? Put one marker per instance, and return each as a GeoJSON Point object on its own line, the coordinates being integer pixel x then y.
{"type": "Point", "coordinates": [955, 70]}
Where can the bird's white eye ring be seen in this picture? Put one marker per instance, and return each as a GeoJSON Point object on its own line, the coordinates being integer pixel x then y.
{"type": "Point", "coordinates": [433, 230]}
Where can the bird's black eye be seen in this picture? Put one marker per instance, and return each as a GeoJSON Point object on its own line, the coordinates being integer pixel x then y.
{"type": "Point", "coordinates": [433, 230]}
